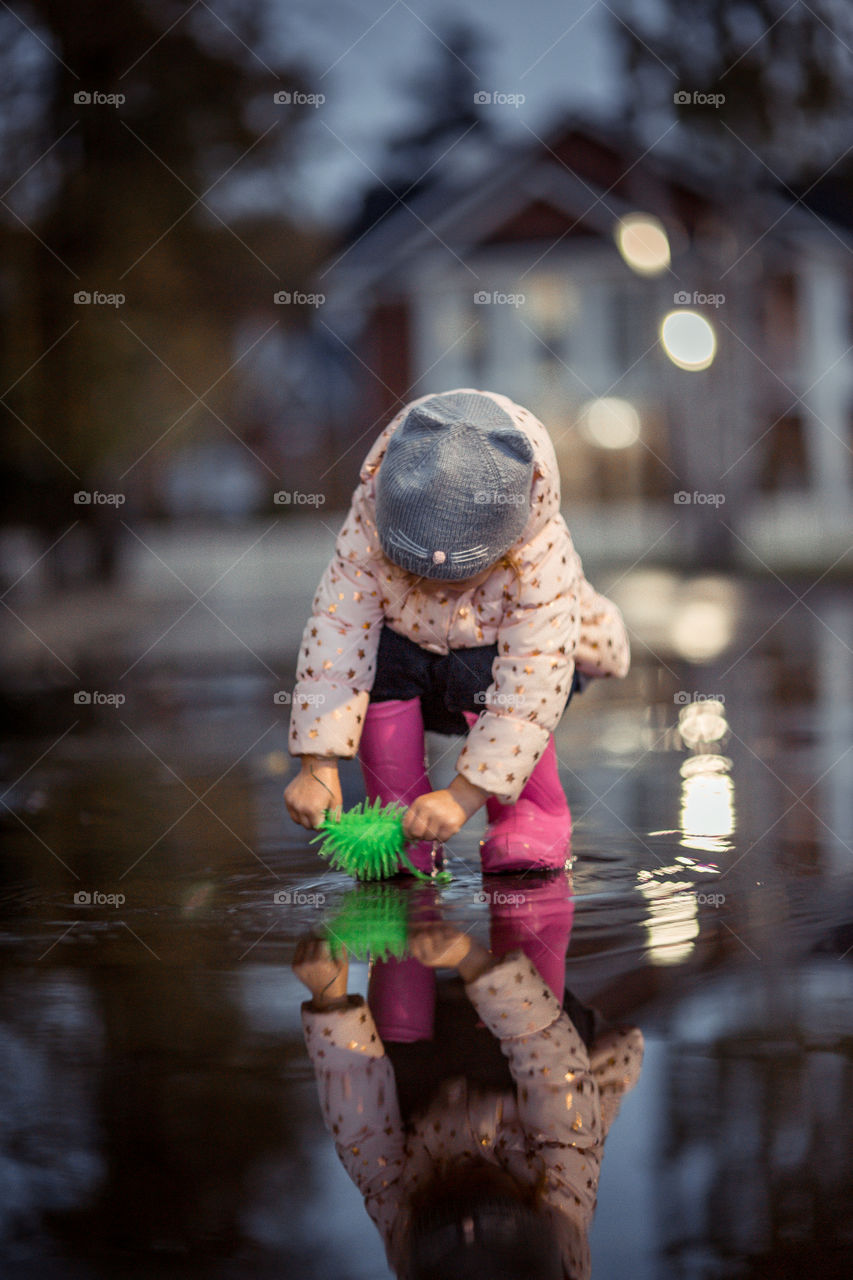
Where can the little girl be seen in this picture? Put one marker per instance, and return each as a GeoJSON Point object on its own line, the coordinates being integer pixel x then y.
{"type": "Point", "coordinates": [491, 1172]}
{"type": "Point", "coordinates": [455, 602]}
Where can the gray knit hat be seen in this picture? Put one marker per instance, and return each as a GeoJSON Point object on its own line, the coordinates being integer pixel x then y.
{"type": "Point", "coordinates": [453, 490]}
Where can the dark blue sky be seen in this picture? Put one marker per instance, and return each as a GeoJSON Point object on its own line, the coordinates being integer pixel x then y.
{"type": "Point", "coordinates": [359, 53]}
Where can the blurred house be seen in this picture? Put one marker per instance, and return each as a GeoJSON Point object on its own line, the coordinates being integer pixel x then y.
{"type": "Point", "coordinates": [545, 271]}
{"type": "Point", "coordinates": [292, 407]}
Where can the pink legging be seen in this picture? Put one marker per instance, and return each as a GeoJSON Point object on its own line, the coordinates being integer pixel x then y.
{"type": "Point", "coordinates": [533, 915]}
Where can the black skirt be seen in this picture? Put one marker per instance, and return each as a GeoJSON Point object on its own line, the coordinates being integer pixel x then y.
{"type": "Point", "coordinates": [462, 1046]}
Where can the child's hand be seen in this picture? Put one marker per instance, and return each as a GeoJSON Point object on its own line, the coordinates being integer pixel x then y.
{"type": "Point", "coordinates": [439, 946]}
{"type": "Point", "coordinates": [438, 815]}
{"type": "Point", "coordinates": [315, 789]}
{"type": "Point", "coordinates": [325, 977]}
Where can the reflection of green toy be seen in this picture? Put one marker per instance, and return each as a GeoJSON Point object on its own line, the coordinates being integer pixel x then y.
{"type": "Point", "coordinates": [373, 922]}
{"type": "Point", "coordinates": [367, 842]}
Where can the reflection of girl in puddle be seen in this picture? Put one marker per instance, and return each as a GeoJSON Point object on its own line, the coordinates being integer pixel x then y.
{"type": "Point", "coordinates": [465, 1176]}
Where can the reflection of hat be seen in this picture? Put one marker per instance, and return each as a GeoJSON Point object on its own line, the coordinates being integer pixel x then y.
{"type": "Point", "coordinates": [483, 1235]}
{"type": "Point", "coordinates": [453, 489]}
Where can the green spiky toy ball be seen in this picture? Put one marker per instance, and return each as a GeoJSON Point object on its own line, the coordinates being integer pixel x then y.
{"type": "Point", "coordinates": [371, 924]}
{"type": "Point", "coordinates": [368, 842]}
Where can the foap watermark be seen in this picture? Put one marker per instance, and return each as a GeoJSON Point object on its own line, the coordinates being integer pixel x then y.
{"type": "Point", "coordinates": [684, 298]}
{"type": "Point", "coordinates": [684, 499]}
{"type": "Point", "coordinates": [498, 898]}
{"type": "Point", "coordinates": [284, 698]}
{"type": "Point", "coordinates": [94, 498]}
{"type": "Point", "coordinates": [496, 498]}
{"type": "Point", "coordinates": [95, 898]}
{"type": "Point", "coordinates": [293, 298]}
{"type": "Point", "coordinates": [499, 699]}
{"type": "Point", "coordinates": [295, 98]}
{"type": "Point", "coordinates": [710, 899]}
{"type": "Point", "coordinates": [697, 98]}
{"type": "Point", "coordinates": [294, 497]}
{"type": "Point", "coordinates": [494, 298]}
{"type": "Point", "coordinates": [95, 298]}
{"type": "Point", "coordinates": [496, 98]}
{"type": "Point", "coordinates": [682, 697]}
{"type": "Point", "coordinates": [95, 698]}
{"type": "Point", "coordinates": [297, 898]}
{"type": "Point", "coordinates": [94, 98]}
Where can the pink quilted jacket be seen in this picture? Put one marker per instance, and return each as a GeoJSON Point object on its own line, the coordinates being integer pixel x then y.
{"type": "Point", "coordinates": [549, 1131]}
{"type": "Point", "coordinates": [545, 624]}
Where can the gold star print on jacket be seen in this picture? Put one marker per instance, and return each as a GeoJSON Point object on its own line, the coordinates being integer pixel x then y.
{"type": "Point", "coordinates": [546, 622]}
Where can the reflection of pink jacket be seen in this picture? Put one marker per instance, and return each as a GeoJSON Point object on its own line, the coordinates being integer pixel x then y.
{"type": "Point", "coordinates": [548, 1133]}
{"type": "Point", "coordinates": [543, 625]}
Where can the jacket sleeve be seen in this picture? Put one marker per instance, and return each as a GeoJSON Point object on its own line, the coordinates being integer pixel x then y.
{"type": "Point", "coordinates": [358, 1100]}
{"type": "Point", "coordinates": [558, 1100]}
{"type": "Point", "coordinates": [337, 657]}
{"type": "Point", "coordinates": [557, 1094]}
{"type": "Point", "coordinates": [532, 673]}
{"type": "Point", "coordinates": [602, 647]}
{"type": "Point", "coordinates": [616, 1059]}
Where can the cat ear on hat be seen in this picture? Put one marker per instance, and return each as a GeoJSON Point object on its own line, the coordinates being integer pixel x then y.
{"type": "Point", "coordinates": [512, 442]}
{"type": "Point", "coordinates": [424, 419]}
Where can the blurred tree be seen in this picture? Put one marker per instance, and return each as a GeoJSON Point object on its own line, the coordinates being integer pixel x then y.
{"type": "Point", "coordinates": [786, 71]}
{"type": "Point", "coordinates": [443, 98]}
{"type": "Point", "coordinates": [134, 196]}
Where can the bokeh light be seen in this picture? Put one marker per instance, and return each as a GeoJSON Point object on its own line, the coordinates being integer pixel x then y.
{"type": "Point", "coordinates": [671, 922]}
{"type": "Point", "coordinates": [702, 722]}
{"type": "Point", "coordinates": [643, 243]}
{"type": "Point", "coordinates": [707, 808]}
{"type": "Point", "coordinates": [702, 629]}
{"type": "Point", "coordinates": [689, 340]}
{"type": "Point", "coordinates": [610, 423]}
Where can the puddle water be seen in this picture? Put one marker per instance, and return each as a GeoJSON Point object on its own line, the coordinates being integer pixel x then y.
{"type": "Point", "coordinates": [158, 1109]}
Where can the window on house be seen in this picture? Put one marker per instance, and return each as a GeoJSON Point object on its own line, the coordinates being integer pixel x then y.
{"type": "Point", "coordinates": [784, 466]}
{"type": "Point", "coordinates": [551, 309]}
{"type": "Point", "coordinates": [629, 326]}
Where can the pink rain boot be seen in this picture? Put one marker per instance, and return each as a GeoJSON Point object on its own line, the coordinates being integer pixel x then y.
{"type": "Point", "coordinates": [401, 993]}
{"type": "Point", "coordinates": [393, 762]}
{"type": "Point", "coordinates": [536, 830]}
{"type": "Point", "coordinates": [401, 996]}
{"type": "Point", "coordinates": [535, 913]}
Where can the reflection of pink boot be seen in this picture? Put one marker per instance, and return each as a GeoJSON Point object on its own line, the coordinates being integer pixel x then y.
{"type": "Point", "coordinates": [401, 993]}
{"type": "Point", "coordinates": [401, 996]}
{"type": "Point", "coordinates": [536, 830]}
{"type": "Point", "coordinates": [534, 913]}
{"type": "Point", "coordinates": [393, 761]}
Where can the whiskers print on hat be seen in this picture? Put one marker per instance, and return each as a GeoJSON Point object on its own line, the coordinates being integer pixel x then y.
{"type": "Point", "coordinates": [397, 538]}
{"type": "Point", "coordinates": [457, 467]}
{"type": "Point", "coordinates": [471, 555]}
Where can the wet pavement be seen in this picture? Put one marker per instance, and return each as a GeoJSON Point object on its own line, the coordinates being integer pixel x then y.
{"type": "Point", "coordinates": [159, 1115]}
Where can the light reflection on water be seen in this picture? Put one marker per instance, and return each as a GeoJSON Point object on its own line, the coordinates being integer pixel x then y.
{"type": "Point", "coordinates": [158, 1110]}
